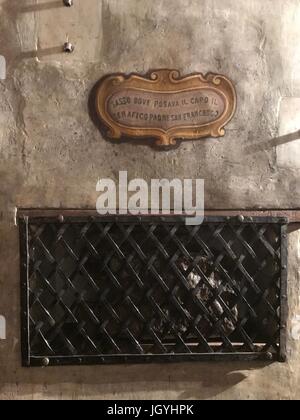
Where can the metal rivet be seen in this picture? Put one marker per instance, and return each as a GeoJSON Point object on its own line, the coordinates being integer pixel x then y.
{"type": "Point", "coordinates": [45, 362]}
{"type": "Point", "coordinates": [68, 3]}
{"type": "Point", "coordinates": [68, 47]}
{"type": "Point", "coordinates": [269, 356]}
{"type": "Point", "coordinates": [61, 218]}
{"type": "Point", "coordinates": [241, 218]}
{"type": "Point", "coordinates": [284, 267]}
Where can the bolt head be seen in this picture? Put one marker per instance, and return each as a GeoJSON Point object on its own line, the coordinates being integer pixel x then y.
{"type": "Point", "coordinates": [68, 47]}
{"type": "Point", "coordinates": [241, 218]}
{"type": "Point", "coordinates": [68, 3]}
{"type": "Point", "coordinates": [45, 362]}
{"type": "Point", "coordinates": [61, 218]}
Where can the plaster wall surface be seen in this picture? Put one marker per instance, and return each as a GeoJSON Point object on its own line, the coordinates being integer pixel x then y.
{"type": "Point", "coordinates": [52, 154]}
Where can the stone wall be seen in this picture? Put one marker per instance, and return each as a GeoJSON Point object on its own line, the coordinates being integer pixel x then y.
{"type": "Point", "coordinates": [52, 154]}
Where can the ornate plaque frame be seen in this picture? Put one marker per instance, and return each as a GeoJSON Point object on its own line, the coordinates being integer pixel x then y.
{"type": "Point", "coordinates": [166, 82]}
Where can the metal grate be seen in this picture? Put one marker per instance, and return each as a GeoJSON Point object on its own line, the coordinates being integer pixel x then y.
{"type": "Point", "coordinates": [128, 289]}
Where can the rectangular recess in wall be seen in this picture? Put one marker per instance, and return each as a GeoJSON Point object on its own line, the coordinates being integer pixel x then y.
{"type": "Point", "coordinates": [124, 289]}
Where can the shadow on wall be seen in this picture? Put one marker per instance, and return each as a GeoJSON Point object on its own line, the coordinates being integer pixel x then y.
{"type": "Point", "coordinates": [262, 146]}
{"type": "Point", "coordinates": [186, 380]}
{"type": "Point", "coordinates": [56, 4]}
{"type": "Point", "coordinates": [13, 8]}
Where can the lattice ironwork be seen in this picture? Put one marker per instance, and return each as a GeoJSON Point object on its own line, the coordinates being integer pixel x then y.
{"type": "Point", "coordinates": [127, 289]}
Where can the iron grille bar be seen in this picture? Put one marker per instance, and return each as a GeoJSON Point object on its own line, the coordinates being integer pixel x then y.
{"type": "Point", "coordinates": [284, 293]}
{"type": "Point", "coordinates": [155, 358]}
{"type": "Point", "coordinates": [122, 289]}
{"type": "Point", "coordinates": [293, 215]}
{"type": "Point", "coordinates": [24, 264]}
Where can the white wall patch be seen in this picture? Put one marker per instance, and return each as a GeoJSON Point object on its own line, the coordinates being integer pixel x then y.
{"type": "Point", "coordinates": [2, 328]}
{"type": "Point", "coordinates": [2, 68]}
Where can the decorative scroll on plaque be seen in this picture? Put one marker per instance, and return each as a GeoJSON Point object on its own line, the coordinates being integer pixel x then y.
{"type": "Point", "coordinates": [165, 106]}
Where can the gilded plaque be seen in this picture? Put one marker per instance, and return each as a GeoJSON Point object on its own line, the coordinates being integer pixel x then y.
{"type": "Point", "coordinates": [165, 106]}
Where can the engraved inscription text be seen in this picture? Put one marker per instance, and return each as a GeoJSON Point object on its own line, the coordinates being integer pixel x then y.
{"type": "Point", "coordinates": [134, 108]}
